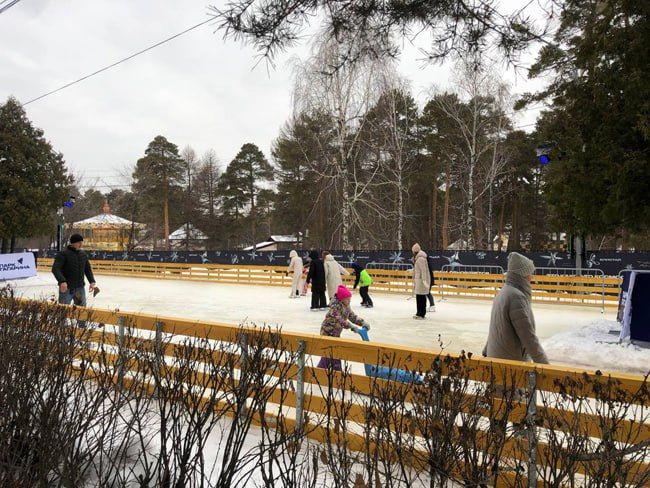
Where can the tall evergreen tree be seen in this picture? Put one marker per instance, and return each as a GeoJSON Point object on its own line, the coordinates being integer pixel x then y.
{"type": "Point", "coordinates": [244, 179]}
{"type": "Point", "coordinates": [159, 176]}
{"type": "Point", "coordinates": [600, 66]}
{"type": "Point", "coordinates": [34, 181]}
{"type": "Point", "coordinates": [294, 153]}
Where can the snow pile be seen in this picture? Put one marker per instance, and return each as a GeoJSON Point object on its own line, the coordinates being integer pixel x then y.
{"type": "Point", "coordinates": [592, 346]}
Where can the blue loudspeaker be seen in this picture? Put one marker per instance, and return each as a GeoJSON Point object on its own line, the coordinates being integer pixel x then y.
{"type": "Point", "coordinates": [386, 373]}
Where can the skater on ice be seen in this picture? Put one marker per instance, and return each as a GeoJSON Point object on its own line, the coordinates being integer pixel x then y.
{"type": "Point", "coordinates": [363, 278]}
{"type": "Point", "coordinates": [431, 264]}
{"type": "Point", "coordinates": [512, 324]}
{"type": "Point", "coordinates": [421, 281]}
{"type": "Point", "coordinates": [303, 278]}
{"type": "Point", "coordinates": [340, 316]}
{"type": "Point", "coordinates": [295, 267]}
{"type": "Point", "coordinates": [333, 273]}
{"type": "Point", "coordinates": [69, 268]}
{"type": "Point", "coordinates": [316, 278]}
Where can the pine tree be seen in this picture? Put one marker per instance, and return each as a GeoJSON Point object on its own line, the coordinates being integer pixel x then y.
{"type": "Point", "coordinates": [34, 181]}
{"type": "Point", "coordinates": [294, 153]}
{"type": "Point", "coordinates": [158, 177]}
{"type": "Point", "coordinates": [600, 65]}
{"type": "Point", "coordinates": [243, 181]}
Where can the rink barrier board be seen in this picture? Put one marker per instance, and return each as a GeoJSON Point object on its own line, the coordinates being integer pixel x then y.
{"type": "Point", "coordinates": [510, 369]}
{"type": "Point", "coordinates": [514, 448]}
{"type": "Point", "coordinates": [566, 289]}
{"type": "Point", "coordinates": [360, 352]}
{"type": "Point", "coordinates": [364, 384]}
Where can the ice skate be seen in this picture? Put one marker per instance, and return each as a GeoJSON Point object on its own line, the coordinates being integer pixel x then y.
{"type": "Point", "coordinates": [417, 317]}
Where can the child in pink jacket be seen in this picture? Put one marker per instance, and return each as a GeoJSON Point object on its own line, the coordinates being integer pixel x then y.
{"type": "Point", "coordinates": [338, 318]}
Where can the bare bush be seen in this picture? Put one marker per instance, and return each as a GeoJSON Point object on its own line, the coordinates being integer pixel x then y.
{"type": "Point", "coordinates": [90, 406]}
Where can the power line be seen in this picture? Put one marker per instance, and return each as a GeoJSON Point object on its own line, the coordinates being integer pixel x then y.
{"type": "Point", "coordinates": [7, 7]}
{"type": "Point", "coordinates": [118, 62]}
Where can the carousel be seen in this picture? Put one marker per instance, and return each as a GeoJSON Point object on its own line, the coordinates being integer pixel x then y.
{"type": "Point", "coordinates": [108, 232]}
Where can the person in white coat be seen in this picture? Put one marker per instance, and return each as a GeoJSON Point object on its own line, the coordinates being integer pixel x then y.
{"type": "Point", "coordinates": [295, 267]}
{"type": "Point", "coordinates": [421, 281]}
{"type": "Point", "coordinates": [333, 273]}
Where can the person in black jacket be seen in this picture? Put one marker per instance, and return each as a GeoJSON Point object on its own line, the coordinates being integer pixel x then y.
{"type": "Point", "coordinates": [69, 268]}
{"type": "Point", "coordinates": [431, 265]}
{"type": "Point", "coordinates": [316, 277]}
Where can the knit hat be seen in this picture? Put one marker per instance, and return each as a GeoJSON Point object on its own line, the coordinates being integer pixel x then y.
{"type": "Point", "coordinates": [416, 248]}
{"type": "Point", "coordinates": [519, 264]}
{"type": "Point", "coordinates": [342, 292]}
{"type": "Point", "coordinates": [293, 254]}
{"type": "Point", "coordinates": [76, 238]}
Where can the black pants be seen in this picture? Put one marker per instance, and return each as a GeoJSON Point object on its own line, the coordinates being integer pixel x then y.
{"type": "Point", "coordinates": [365, 297]}
{"type": "Point", "coordinates": [430, 298]}
{"type": "Point", "coordinates": [318, 299]}
{"type": "Point", "coordinates": [421, 301]}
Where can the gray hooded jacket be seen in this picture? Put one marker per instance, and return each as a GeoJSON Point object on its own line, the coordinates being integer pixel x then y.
{"type": "Point", "coordinates": [512, 324]}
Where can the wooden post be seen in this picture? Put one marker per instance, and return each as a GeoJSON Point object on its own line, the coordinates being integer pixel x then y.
{"type": "Point", "coordinates": [120, 348]}
{"type": "Point", "coordinates": [159, 357]}
{"type": "Point", "coordinates": [300, 388]}
{"type": "Point", "coordinates": [531, 429]}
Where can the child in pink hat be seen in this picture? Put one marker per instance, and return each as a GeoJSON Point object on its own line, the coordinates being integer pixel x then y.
{"type": "Point", "coordinates": [338, 318]}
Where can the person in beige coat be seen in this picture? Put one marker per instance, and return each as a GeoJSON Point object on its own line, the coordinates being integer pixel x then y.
{"type": "Point", "coordinates": [333, 273]}
{"type": "Point", "coordinates": [295, 267]}
{"type": "Point", "coordinates": [421, 281]}
{"type": "Point", "coordinates": [512, 324]}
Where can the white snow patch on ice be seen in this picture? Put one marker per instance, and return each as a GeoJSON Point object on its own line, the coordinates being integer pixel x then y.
{"type": "Point", "coordinates": [593, 346]}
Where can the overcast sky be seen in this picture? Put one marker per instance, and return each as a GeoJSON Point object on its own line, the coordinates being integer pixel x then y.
{"type": "Point", "coordinates": [196, 90]}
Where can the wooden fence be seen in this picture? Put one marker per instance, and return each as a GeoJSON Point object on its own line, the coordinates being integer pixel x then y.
{"type": "Point", "coordinates": [580, 290]}
{"type": "Point", "coordinates": [532, 450]}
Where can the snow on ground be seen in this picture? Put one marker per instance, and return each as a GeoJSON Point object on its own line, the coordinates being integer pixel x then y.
{"type": "Point", "coordinates": [594, 346]}
{"type": "Point", "coordinates": [571, 334]}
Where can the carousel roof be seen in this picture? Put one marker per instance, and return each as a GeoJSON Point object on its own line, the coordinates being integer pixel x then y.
{"type": "Point", "coordinates": [105, 220]}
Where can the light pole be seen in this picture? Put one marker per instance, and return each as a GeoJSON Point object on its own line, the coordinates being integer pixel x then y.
{"type": "Point", "coordinates": [61, 223]}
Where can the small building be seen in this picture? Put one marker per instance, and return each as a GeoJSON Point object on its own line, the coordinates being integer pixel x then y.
{"type": "Point", "coordinates": [108, 232]}
{"type": "Point", "coordinates": [188, 236]}
{"type": "Point", "coordinates": [275, 243]}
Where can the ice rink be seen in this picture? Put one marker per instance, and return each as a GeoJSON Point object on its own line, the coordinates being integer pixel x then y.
{"type": "Point", "coordinates": [570, 334]}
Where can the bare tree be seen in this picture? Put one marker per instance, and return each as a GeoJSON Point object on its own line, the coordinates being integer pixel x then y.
{"type": "Point", "coordinates": [343, 94]}
{"type": "Point", "coordinates": [206, 184]}
{"type": "Point", "coordinates": [191, 162]}
{"type": "Point", "coordinates": [479, 120]}
{"type": "Point", "coordinates": [392, 138]}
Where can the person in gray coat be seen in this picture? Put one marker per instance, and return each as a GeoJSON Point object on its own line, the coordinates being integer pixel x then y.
{"type": "Point", "coordinates": [512, 324]}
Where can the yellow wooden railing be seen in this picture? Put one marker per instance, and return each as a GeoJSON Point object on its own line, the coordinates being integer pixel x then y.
{"type": "Point", "coordinates": [582, 290]}
{"type": "Point", "coordinates": [532, 378]}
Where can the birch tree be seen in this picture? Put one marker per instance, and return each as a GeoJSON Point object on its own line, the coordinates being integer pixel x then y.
{"type": "Point", "coordinates": [392, 138]}
{"type": "Point", "coordinates": [344, 94]}
{"type": "Point", "coordinates": [479, 121]}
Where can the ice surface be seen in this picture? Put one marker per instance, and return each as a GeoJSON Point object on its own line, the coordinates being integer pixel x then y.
{"type": "Point", "coordinates": [571, 334]}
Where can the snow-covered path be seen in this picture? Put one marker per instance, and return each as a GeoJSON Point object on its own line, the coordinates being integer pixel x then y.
{"type": "Point", "coordinates": [571, 334]}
